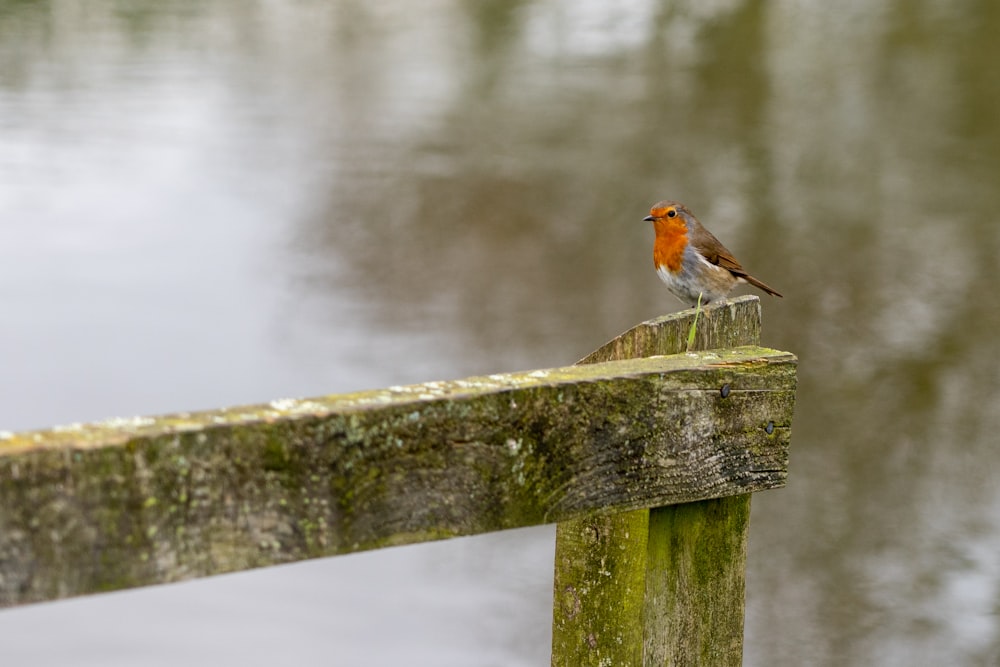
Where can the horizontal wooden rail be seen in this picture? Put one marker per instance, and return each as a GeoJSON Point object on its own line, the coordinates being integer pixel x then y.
{"type": "Point", "coordinates": [132, 502]}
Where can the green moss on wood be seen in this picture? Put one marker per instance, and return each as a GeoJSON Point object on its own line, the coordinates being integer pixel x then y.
{"type": "Point", "coordinates": [695, 583]}
{"type": "Point", "coordinates": [594, 615]}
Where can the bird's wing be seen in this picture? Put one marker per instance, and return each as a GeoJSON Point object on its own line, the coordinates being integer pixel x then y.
{"type": "Point", "coordinates": [716, 253]}
{"type": "Point", "coordinates": [713, 250]}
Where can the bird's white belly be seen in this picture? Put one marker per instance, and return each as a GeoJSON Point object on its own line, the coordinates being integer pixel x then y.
{"type": "Point", "coordinates": [697, 278]}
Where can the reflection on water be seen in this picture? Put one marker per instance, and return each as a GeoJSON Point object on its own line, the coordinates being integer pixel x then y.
{"type": "Point", "coordinates": [212, 203]}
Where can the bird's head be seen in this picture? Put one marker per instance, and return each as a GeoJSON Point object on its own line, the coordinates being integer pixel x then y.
{"type": "Point", "coordinates": [666, 211]}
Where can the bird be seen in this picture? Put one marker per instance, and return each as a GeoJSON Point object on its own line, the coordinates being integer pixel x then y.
{"type": "Point", "coordinates": [694, 265]}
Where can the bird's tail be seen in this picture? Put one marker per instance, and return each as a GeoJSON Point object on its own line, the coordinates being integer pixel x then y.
{"type": "Point", "coordinates": [756, 283]}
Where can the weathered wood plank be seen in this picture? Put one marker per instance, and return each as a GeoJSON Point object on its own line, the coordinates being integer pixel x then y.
{"type": "Point", "coordinates": [679, 612]}
{"type": "Point", "coordinates": [135, 502]}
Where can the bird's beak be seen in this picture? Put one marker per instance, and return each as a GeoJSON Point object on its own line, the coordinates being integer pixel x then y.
{"type": "Point", "coordinates": [648, 218]}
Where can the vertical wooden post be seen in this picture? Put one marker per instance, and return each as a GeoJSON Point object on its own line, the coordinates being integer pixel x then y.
{"type": "Point", "coordinates": [695, 579]}
{"type": "Point", "coordinates": [661, 586]}
{"type": "Point", "coordinates": [595, 613]}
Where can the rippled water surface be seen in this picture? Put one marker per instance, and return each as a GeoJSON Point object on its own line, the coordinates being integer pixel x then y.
{"type": "Point", "coordinates": [221, 202]}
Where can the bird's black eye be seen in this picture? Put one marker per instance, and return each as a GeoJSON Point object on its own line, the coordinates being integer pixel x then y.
{"type": "Point", "coordinates": [672, 213]}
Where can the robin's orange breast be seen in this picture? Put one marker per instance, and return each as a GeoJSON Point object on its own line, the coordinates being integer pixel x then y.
{"type": "Point", "coordinates": [671, 240]}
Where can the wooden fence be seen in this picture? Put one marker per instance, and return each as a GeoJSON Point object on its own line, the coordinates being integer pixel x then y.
{"type": "Point", "coordinates": [645, 461]}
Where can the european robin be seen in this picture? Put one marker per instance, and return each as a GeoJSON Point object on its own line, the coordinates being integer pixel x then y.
{"type": "Point", "coordinates": [690, 260]}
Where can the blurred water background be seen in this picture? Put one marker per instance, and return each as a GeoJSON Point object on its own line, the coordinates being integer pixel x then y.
{"type": "Point", "coordinates": [229, 201]}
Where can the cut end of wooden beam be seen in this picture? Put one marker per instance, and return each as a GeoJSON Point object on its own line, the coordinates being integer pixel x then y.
{"type": "Point", "coordinates": [731, 323]}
